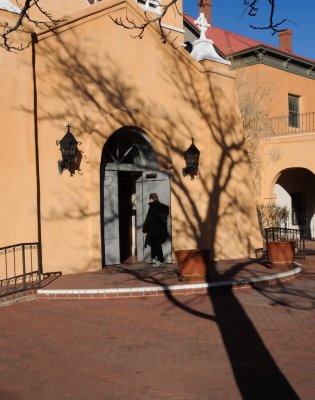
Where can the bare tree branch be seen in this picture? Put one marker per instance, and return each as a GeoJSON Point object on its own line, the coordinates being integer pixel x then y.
{"type": "Point", "coordinates": [140, 27]}
{"type": "Point", "coordinates": [252, 10]}
{"type": "Point", "coordinates": [7, 43]}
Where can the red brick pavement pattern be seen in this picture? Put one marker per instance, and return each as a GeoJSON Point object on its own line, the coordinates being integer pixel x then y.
{"type": "Point", "coordinates": [183, 348]}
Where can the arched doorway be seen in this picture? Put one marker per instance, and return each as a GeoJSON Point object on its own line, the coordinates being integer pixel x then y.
{"type": "Point", "coordinates": [295, 189]}
{"type": "Point", "coordinates": [129, 173]}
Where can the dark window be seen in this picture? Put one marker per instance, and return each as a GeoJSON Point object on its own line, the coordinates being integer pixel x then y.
{"type": "Point", "coordinates": [149, 3]}
{"type": "Point", "coordinates": [294, 118]}
{"type": "Point", "coordinates": [298, 208]}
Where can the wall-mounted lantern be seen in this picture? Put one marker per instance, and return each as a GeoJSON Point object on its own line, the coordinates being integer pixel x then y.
{"type": "Point", "coordinates": [191, 156]}
{"type": "Point", "coordinates": [70, 154]}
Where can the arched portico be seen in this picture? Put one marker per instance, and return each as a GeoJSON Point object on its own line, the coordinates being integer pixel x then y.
{"type": "Point", "coordinates": [295, 189]}
{"type": "Point", "coordinates": [129, 173]}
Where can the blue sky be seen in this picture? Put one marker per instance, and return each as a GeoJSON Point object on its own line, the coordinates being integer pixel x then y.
{"type": "Point", "coordinates": [226, 14]}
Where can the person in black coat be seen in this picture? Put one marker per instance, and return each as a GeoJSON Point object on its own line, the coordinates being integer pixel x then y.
{"type": "Point", "coordinates": [155, 227]}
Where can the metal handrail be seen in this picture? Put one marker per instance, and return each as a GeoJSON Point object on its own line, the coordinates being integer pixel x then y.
{"type": "Point", "coordinates": [19, 268]}
{"type": "Point", "coordinates": [285, 125]}
{"type": "Point", "coordinates": [19, 244]}
{"type": "Point", "coordinates": [297, 235]}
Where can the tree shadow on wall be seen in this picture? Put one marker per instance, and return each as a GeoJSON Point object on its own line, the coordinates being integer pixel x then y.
{"type": "Point", "coordinates": [89, 90]}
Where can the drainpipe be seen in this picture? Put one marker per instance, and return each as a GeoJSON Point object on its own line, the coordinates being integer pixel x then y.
{"type": "Point", "coordinates": [38, 203]}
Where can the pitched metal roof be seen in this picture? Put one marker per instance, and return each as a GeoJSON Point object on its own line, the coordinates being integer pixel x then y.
{"type": "Point", "coordinates": [230, 43]}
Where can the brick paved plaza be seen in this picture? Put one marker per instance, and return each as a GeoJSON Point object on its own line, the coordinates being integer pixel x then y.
{"type": "Point", "coordinates": [242, 344]}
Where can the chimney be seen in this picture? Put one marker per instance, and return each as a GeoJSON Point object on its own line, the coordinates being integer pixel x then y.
{"type": "Point", "coordinates": [205, 6]}
{"type": "Point", "coordinates": [285, 40]}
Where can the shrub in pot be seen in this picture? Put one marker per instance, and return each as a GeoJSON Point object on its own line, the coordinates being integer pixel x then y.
{"type": "Point", "coordinates": [280, 250]}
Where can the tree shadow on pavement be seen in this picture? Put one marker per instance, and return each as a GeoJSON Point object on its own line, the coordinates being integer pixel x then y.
{"type": "Point", "coordinates": [297, 294]}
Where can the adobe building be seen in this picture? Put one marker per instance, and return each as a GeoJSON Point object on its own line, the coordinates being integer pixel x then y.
{"type": "Point", "coordinates": [287, 83]}
{"type": "Point", "coordinates": [134, 107]}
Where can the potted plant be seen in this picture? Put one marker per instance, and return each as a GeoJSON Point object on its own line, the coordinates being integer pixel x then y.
{"type": "Point", "coordinates": [272, 215]}
{"type": "Point", "coordinates": [280, 252]}
{"type": "Point", "coordinates": [193, 264]}
{"type": "Point", "coordinates": [280, 249]}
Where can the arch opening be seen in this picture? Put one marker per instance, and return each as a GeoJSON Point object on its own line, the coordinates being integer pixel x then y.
{"type": "Point", "coordinates": [295, 189]}
{"type": "Point", "coordinates": [129, 146]}
{"type": "Point", "coordinates": [129, 173]}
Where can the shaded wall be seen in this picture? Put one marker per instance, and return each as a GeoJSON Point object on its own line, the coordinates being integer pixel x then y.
{"type": "Point", "coordinates": [18, 203]}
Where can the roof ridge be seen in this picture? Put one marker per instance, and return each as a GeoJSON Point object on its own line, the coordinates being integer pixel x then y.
{"type": "Point", "coordinates": [222, 41]}
{"type": "Point", "coordinates": [240, 37]}
{"type": "Point", "coordinates": [229, 42]}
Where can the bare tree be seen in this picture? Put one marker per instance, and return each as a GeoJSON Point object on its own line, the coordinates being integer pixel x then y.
{"type": "Point", "coordinates": [128, 23]}
{"type": "Point", "coordinates": [7, 42]}
{"type": "Point", "coordinates": [252, 9]}
{"type": "Point", "coordinates": [255, 98]}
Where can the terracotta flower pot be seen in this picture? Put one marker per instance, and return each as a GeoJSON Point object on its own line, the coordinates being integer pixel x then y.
{"type": "Point", "coordinates": [193, 264]}
{"type": "Point", "coordinates": [281, 252]}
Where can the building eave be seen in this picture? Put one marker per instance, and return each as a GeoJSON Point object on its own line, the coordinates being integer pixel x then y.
{"type": "Point", "coordinates": [263, 54]}
{"type": "Point", "coordinates": [274, 58]}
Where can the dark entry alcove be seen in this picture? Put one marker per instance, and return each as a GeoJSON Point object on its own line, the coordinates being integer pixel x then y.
{"type": "Point", "coordinates": [129, 173]}
{"type": "Point", "coordinates": [127, 215]}
{"type": "Point", "coordinates": [298, 187]}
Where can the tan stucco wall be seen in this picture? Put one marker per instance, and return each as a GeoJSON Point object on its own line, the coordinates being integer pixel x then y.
{"type": "Point", "coordinates": [94, 76]}
{"type": "Point", "coordinates": [292, 152]}
{"type": "Point", "coordinates": [280, 83]}
{"type": "Point", "coordinates": [288, 151]}
{"type": "Point", "coordinates": [17, 166]}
